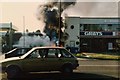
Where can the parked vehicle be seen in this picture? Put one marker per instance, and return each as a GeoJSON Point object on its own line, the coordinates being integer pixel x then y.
{"type": "Point", "coordinates": [40, 59]}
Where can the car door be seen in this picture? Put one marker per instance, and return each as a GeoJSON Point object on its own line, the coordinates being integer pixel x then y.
{"type": "Point", "coordinates": [53, 60]}
{"type": "Point", "coordinates": [67, 57]}
{"type": "Point", "coordinates": [34, 62]}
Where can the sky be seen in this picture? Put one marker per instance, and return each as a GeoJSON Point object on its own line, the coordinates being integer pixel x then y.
{"type": "Point", "coordinates": [22, 13]}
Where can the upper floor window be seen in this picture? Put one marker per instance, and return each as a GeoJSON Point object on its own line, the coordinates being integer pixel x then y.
{"type": "Point", "coordinates": [72, 27]}
{"type": "Point", "coordinates": [99, 27]}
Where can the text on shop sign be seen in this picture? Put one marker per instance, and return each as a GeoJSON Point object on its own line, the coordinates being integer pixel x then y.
{"type": "Point", "coordinates": [93, 33]}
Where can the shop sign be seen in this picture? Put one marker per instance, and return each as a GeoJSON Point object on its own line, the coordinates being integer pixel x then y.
{"type": "Point", "coordinates": [93, 33]}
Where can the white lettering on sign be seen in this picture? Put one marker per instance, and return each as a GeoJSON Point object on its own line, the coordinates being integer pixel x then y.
{"type": "Point", "coordinates": [93, 33]}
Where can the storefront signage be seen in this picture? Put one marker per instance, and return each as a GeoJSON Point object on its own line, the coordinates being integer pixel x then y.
{"type": "Point", "coordinates": [93, 33]}
{"type": "Point", "coordinates": [97, 33]}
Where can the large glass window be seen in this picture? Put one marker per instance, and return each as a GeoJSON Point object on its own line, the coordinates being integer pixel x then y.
{"type": "Point", "coordinates": [100, 27]}
{"type": "Point", "coordinates": [92, 27]}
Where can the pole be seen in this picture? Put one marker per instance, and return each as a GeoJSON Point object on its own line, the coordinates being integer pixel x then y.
{"type": "Point", "coordinates": [24, 30]}
{"type": "Point", "coordinates": [10, 36]}
{"type": "Point", "coordinates": [60, 23]}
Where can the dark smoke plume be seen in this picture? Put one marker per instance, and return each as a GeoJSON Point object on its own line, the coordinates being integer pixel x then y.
{"type": "Point", "coordinates": [50, 13]}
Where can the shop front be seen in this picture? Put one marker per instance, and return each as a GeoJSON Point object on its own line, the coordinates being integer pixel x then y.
{"type": "Point", "coordinates": [96, 41]}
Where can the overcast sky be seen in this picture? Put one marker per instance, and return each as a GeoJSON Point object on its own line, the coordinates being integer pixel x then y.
{"type": "Point", "coordinates": [13, 11]}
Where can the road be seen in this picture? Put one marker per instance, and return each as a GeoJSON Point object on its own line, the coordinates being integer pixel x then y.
{"type": "Point", "coordinates": [100, 67]}
{"type": "Point", "coordinates": [88, 70]}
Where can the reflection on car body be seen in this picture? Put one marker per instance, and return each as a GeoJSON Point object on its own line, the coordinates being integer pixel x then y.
{"type": "Point", "coordinates": [41, 59]}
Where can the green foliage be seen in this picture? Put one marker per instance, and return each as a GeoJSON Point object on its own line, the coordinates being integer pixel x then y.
{"type": "Point", "coordinates": [98, 56]}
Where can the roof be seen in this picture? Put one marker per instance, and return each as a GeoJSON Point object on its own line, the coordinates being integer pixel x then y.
{"type": "Point", "coordinates": [97, 20]}
{"type": "Point", "coordinates": [94, 17]}
{"type": "Point", "coordinates": [49, 47]}
{"type": "Point", "coordinates": [7, 26]}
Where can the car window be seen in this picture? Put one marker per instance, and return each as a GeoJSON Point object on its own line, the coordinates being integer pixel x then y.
{"type": "Point", "coordinates": [58, 53]}
{"type": "Point", "coordinates": [65, 53]}
{"type": "Point", "coordinates": [34, 54]}
{"type": "Point", "coordinates": [53, 53]}
{"type": "Point", "coordinates": [21, 51]}
{"type": "Point", "coordinates": [43, 52]}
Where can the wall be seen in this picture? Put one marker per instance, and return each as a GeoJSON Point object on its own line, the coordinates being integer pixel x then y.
{"type": "Point", "coordinates": [73, 31]}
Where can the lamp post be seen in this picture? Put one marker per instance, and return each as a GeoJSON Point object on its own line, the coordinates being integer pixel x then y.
{"type": "Point", "coordinates": [10, 36]}
{"type": "Point", "coordinates": [24, 30]}
{"type": "Point", "coordinates": [60, 23]}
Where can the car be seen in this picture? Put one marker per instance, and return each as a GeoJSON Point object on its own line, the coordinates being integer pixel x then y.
{"type": "Point", "coordinates": [40, 59]}
{"type": "Point", "coordinates": [16, 52]}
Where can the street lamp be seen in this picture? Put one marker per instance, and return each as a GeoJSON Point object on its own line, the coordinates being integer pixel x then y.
{"type": "Point", "coordinates": [10, 36]}
{"type": "Point", "coordinates": [60, 23]}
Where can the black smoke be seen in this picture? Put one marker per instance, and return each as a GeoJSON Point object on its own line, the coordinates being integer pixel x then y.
{"type": "Point", "coordinates": [50, 13]}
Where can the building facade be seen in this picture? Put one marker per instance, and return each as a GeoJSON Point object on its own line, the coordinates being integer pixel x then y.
{"type": "Point", "coordinates": [6, 35]}
{"type": "Point", "coordinates": [93, 34]}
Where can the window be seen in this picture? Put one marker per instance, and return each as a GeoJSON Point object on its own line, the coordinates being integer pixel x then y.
{"type": "Point", "coordinates": [109, 24]}
{"type": "Point", "coordinates": [53, 53]}
{"type": "Point", "coordinates": [110, 46]}
{"type": "Point", "coordinates": [72, 26]}
{"type": "Point", "coordinates": [43, 52]}
{"type": "Point", "coordinates": [72, 43]}
{"type": "Point", "coordinates": [66, 54]}
{"type": "Point", "coordinates": [77, 43]}
{"type": "Point", "coordinates": [34, 54]}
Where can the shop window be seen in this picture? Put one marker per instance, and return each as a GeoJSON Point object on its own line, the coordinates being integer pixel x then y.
{"type": "Point", "coordinates": [72, 27]}
{"type": "Point", "coordinates": [109, 24]}
{"type": "Point", "coordinates": [86, 27]}
{"type": "Point", "coordinates": [118, 29]}
{"type": "Point", "coordinates": [110, 46]}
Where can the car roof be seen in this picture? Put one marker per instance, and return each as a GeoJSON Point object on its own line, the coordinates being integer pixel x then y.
{"type": "Point", "coordinates": [47, 47]}
{"type": "Point", "coordinates": [23, 48]}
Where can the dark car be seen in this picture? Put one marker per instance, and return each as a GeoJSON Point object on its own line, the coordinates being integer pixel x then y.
{"type": "Point", "coordinates": [16, 52]}
{"type": "Point", "coordinates": [40, 59]}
